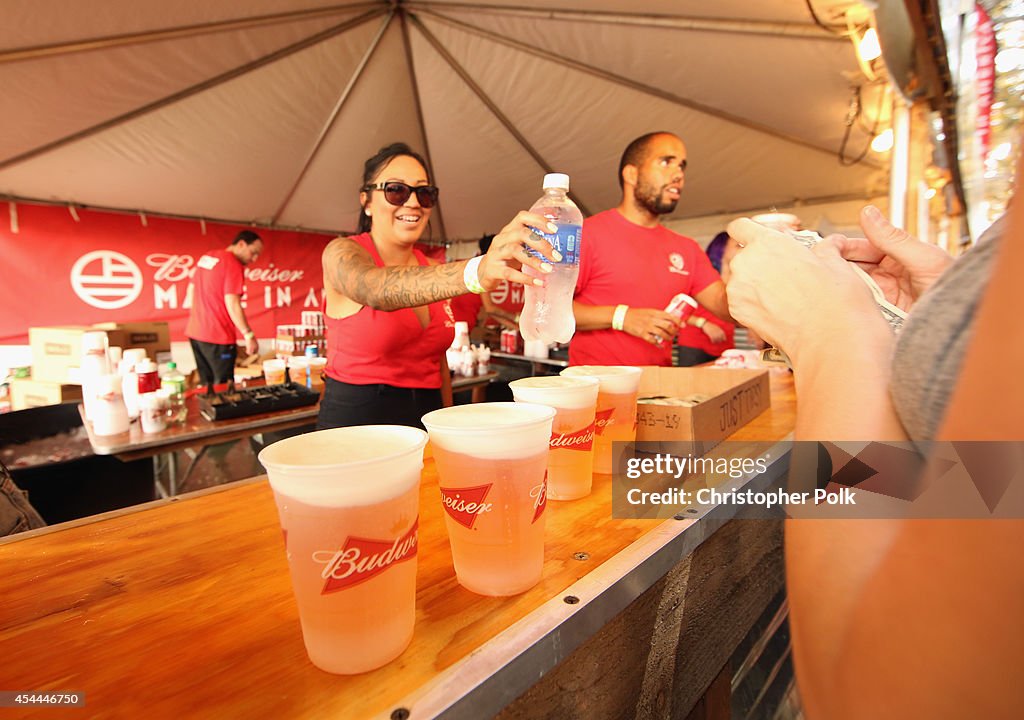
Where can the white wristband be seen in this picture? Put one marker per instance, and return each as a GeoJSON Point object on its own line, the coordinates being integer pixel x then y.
{"type": "Point", "coordinates": [619, 317]}
{"type": "Point", "coordinates": [471, 275]}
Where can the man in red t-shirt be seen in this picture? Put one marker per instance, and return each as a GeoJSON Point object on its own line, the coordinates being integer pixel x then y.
{"type": "Point", "coordinates": [218, 285]}
{"type": "Point", "coordinates": [631, 266]}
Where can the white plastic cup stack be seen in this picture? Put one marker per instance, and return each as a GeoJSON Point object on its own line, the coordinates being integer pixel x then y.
{"type": "Point", "coordinates": [110, 416]}
{"type": "Point", "coordinates": [95, 364]}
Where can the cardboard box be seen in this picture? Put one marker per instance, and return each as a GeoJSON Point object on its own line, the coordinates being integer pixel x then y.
{"type": "Point", "coordinates": [56, 353]}
{"type": "Point", "coordinates": [736, 396]}
{"type": "Point", "coordinates": [30, 393]}
{"type": "Point", "coordinates": [153, 337]}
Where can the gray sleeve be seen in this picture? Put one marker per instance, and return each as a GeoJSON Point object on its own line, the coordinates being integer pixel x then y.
{"type": "Point", "coordinates": [931, 348]}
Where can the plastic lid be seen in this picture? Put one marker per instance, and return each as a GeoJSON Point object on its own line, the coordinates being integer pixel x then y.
{"type": "Point", "coordinates": [172, 366]}
{"type": "Point", "coordinates": [145, 366]}
{"type": "Point", "coordinates": [556, 180]}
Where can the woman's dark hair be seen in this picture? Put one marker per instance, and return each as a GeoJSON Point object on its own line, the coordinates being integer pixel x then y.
{"type": "Point", "coordinates": [716, 249]}
{"type": "Point", "coordinates": [375, 164]}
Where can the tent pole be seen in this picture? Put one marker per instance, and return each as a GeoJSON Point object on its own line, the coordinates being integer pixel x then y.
{"type": "Point", "coordinates": [419, 117]}
{"type": "Point", "coordinates": [639, 87]}
{"type": "Point", "coordinates": [139, 38]}
{"type": "Point", "coordinates": [342, 99]}
{"type": "Point", "coordinates": [805, 31]}
{"type": "Point", "coordinates": [192, 90]}
{"type": "Point", "coordinates": [486, 100]}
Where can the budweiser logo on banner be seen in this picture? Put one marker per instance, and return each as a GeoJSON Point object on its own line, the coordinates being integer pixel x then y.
{"type": "Point", "coordinates": [582, 439]}
{"type": "Point", "coordinates": [361, 559]}
{"type": "Point", "coordinates": [540, 498]}
{"type": "Point", "coordinates": [604, 419]}
{"type": "Point", "coordinates": [465, 505]}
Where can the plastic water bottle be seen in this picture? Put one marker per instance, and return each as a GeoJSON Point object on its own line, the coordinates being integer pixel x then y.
{"type": "Point", "coordinates": [547, 311]}
{"type": "Point", "coordinates": [174, 383]}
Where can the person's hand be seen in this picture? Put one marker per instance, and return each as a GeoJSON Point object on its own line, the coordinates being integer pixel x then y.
{"type": "Point", "coordinates": [789, 295]}
{"type": "Point", "coordinates": [903, 266]}
{"type": "Point", "coordinates": [251, 346]}
{"type": "Point", "coordinates": [715, 334]}
{"type": "Point", "coordinates": [507, 258]}
{"type": "Point", "coordinates": [650, 325]}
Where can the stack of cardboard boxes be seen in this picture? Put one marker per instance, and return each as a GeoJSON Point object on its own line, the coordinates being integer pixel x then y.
{"type": "Point", "coordinates": [57, 353]}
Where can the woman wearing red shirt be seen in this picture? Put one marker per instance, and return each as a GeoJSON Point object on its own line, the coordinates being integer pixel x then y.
{"type": "Point", "coordinates": [386, 305]}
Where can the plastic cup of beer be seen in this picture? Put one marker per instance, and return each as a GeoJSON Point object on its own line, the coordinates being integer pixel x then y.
{"type": "Point", "coordinates": [274, 371]}
{"type": "Point", "coordinates": [316, 372]}
{"type": "Point", "coordinates": [571, 453]}
{"type": "Point", "coordinates": [348, 500]}
{"type": "Point", "coordinates": [491, 460]}
{"type": "Point", "coordinates": [616, 408]}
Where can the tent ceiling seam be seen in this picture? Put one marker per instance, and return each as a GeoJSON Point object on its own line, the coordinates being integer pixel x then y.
{"type": "Point", "coordinates": [140, 38]}
{"type": "Point", "coordinates": [768, 28]}
{"type": "Point", "coordinates": [486, 100]}
{"type": "Point", "coordinates": [639, 87]}
{"type": "Point", "coordinates": [192, 90]}
{"type": "Point", "coordinates": [411, 64]}
{"type": "Point", "coordinates": [333, 117]}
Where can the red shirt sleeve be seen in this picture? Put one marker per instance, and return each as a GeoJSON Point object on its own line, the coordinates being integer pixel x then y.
{"type": "Point", "coordinates": [703, 273]}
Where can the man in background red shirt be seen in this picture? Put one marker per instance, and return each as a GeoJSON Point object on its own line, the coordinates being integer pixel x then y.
{"type": "Point", "coordinates": [217, 311]}
{"type": "Point", "coordinates": [631, 265]}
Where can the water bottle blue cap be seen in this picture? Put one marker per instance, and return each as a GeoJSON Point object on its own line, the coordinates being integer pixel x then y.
{"type": "Point", "coordinates": [556, 180]}
{"type": "Point", "coordinates": [311, 351]}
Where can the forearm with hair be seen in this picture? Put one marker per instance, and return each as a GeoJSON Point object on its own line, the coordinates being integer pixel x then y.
{"type": "Point", "coordinates": [352, 272]}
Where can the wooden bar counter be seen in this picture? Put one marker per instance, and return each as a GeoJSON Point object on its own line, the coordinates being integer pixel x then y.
{"type": "Point", "coordinates": [183, 608]}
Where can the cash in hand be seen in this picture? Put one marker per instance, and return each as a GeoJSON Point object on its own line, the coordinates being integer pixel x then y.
{"type": "Point", "coordinates": [892, 314]}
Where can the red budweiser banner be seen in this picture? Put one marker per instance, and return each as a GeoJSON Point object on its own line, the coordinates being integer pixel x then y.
{"type": "Point", "coordinates": [106, 267]}
{"type": "Point", "coordinates": [985, 78]}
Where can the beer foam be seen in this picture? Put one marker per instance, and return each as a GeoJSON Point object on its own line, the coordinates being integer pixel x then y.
{"type": "Point", "coordinates": [346, 466]}
{"type": "Point", "coordinates": [618, 379]}
{"type": "Point", "coordinates": [491, 430]}
{"type": "Point", "coordinates": [557, 390]}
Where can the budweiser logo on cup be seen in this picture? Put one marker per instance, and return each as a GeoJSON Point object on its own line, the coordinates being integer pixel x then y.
{"type": "Point", "coordinates": [539, 493]}
{"type": "Point", "coordinates": [603, 419]}
{"type": "Point", "coordinates": [582, 439]}
{"type": "Point", "coordinates": [360, 559]}
{"type": "Point", "coordinates": [465, 504]}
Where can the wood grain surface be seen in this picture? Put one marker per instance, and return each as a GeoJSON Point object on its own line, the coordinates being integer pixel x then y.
{"type": "Point", "coordinates": [184, 609]}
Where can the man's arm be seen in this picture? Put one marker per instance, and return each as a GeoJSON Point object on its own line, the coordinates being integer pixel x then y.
{"type": "Point", "coordinates": [713, 297]}
{"type": "Point", "coordinates": [647, 324]}
{"type": "Point", "coordinates": [237, 314]}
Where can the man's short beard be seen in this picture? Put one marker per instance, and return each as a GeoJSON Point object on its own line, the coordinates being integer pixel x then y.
{"type": "Point", "coordinates": [650, 200]}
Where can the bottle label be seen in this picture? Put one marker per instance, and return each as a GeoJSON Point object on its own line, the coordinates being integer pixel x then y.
{"type": "Point", "coordinates": [565, 240]}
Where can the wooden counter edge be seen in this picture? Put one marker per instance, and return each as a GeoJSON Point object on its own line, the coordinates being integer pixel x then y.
{"type": "Point", "coordinates": [500, 670]}
{"type": "Point", "coordinates": [131, 509]}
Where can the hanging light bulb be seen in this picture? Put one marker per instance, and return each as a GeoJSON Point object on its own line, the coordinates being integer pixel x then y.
{"type": "Point", "coordinates": [869, 48]}
{"type": "Point", "coordinates": [883, 141]}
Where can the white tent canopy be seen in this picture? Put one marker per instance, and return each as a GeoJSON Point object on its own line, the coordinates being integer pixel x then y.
{"type": "Point", "coordinates": [263, 111]}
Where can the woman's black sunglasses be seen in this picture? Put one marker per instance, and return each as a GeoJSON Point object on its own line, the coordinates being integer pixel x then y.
{"type": "Point", "coordinates": [396, 193]}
